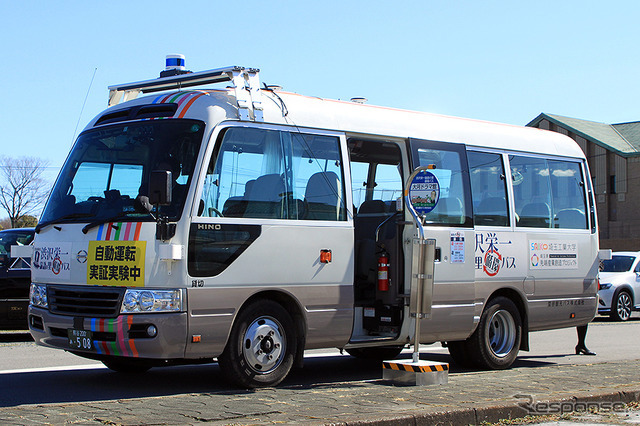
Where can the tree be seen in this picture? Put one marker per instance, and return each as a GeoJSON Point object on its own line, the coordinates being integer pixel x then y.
{"type": "Point", "coordinates": [22, 187]}
{"type": "Point", "coordinates": [25, 221]}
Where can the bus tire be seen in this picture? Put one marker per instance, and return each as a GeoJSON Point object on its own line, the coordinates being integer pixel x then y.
{"type": "Point", "coordinates": [262, 346]}
{"type": "Point", "coordinates": [495, 343]}
{"type": "Point", "coordinates": [460, 353]}
{"type": "Point", "coordinates": [125, 365]}
{"type": "Point", "coordinates": [377, 353]}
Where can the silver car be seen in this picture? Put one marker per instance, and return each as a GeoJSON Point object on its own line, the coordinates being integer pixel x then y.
{"type": "Point", "coordinates": [620, 285]}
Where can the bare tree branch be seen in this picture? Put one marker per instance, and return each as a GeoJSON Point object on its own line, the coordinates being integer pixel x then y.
{"type": "Point", "coordinates": [22, 187]}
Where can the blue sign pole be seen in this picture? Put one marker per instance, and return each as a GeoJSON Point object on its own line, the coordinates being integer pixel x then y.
{"type": "Point", "coordinates": [422, 194]}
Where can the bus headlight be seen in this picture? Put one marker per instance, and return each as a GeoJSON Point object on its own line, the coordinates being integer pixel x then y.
{"type": "Point", "coordinates": [151, 301]}
{"type": "Point", "coordinates": [38, 295]}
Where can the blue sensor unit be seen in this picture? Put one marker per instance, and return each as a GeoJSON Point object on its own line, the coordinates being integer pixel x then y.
{"type": "Point", "coordinates": [175, 62]}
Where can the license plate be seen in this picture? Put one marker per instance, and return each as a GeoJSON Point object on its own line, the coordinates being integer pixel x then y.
{"type": "Point", "coordinates": [80, 339]}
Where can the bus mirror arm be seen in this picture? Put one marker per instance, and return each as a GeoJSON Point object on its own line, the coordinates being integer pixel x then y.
{"type": "Point", "coordinates": [164, 229]}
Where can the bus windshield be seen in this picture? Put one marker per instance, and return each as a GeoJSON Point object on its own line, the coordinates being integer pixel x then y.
{"type": "Point", "coordinates": [109, 167]}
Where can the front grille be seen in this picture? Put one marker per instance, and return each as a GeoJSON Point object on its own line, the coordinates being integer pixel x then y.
{"type": "Point", "coordinates": [85, 301]}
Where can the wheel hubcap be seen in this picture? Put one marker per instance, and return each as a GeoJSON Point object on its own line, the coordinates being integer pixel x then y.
{"type": "Point", "coordinates": [502, 333]}
{"type": "Point", "coordinates": [624, 306]}
{"type": "Point", "coordinates": [264, 345]}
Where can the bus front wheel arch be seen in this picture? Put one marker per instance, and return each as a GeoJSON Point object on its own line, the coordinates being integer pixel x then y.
{"type": "Point", "coordinates": [262, 346]}
{"type": "Point", "coordinates": [496, 341]}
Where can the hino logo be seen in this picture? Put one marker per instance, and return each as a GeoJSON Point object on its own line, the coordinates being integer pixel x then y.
{"type": "Point", "coordinates": [209, 226]}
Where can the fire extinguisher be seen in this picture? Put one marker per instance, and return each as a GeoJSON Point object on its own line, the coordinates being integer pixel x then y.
{"type": "Point", "coordinates": [383, 271]}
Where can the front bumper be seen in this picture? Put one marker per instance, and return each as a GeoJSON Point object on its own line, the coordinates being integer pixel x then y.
{"type": "Point", "coordinates": [605, 296]}
{"type": "Point", "coordinates": [125, 335]}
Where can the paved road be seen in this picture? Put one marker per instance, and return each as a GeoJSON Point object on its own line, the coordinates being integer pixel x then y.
{"type": "Point", "coordinates": [611, 340]}
{"type": "Point", "coordinates": [468, 398]}
{"type": "Point", "coordinates": [329, 389]}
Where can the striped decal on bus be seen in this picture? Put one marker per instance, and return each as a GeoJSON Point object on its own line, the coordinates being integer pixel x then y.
{"type": "Point", "coordinates": [123, 346]}
{"type": "Point", "coordinates": [184, 100]}
{"type": "Point", "coordinates": [119, 231]}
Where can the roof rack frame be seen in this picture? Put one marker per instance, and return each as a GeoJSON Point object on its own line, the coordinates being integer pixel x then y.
{"type": "Point", "coordinates": [245, 82]}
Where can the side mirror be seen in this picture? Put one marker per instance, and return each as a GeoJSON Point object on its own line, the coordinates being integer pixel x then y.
{"type": "Point", "coordinates": [160, 183]}
{"type": "Point", "coordinates": [160, 187]}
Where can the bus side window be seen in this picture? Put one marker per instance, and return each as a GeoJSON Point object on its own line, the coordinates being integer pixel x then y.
{"type": "Point", "coordinates": [548, 193]}
{"type": "Point", "coordinates": [448, 164]}
{"type": "Point", "coordinates": [568, 192]}
{"type": "Point", "coordinates": [272, 174]}
{"type": "Point", "coordinates": [488, 189]}
{"type": "Point", "coordinates": [385, 184]}
{"type": "Point", "coordinates": [315, 173]}
{"type": "Point", "coordinates": [531, 191]}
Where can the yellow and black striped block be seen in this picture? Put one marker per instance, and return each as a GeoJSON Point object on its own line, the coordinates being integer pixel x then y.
{"type": "Point", "coordinates": [399, 366]}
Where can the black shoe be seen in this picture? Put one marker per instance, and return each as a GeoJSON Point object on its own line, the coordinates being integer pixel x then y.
{"type": "Point", "coordinates": [583, 351]}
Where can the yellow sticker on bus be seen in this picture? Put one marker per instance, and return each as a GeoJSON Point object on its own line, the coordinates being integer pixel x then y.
{"type": "Point", "coordinates": [116, 263]}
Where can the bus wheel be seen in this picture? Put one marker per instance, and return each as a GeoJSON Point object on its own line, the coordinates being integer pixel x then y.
{"type": "Point", "coordinates": [261, 347]}
{"type": "Point", "coordinates": [125, 365]}
{"type": "Point", "coordinates": [496, 342]}
{"type": "Point", "coordinates": [377, 353]}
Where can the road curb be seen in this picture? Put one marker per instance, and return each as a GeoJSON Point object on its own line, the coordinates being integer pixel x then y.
{"type": "Point", "coordinates": [495, 412]}
{"type": "Point", "coordinates": [468, 398]}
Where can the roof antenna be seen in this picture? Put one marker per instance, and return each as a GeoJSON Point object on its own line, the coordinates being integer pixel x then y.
{"type": "Point", "coordinates": [83, 104]}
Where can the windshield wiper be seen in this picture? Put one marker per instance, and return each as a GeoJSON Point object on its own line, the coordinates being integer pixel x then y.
{"type": "Point", "coordinates": [101, 221]}
{"type": "Point", "coordinates": [109, 219]}
{"type": "Point", "coordinates": [64, 218]}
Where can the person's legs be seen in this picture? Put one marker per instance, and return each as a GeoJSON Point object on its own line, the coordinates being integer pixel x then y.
{"type": "Point", "coordinates": [581, 348]}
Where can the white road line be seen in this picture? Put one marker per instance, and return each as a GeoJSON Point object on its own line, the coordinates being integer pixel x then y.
{"type": "Point", "coordinates": [58, 368]}
{"type": "Point", "coordinates": [318, 353]}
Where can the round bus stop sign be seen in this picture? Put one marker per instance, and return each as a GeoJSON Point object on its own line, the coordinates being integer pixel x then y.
{"type": "Point", "coordinates": [424, 192]}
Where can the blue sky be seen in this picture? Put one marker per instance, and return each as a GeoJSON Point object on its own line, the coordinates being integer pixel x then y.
{"type": "Point", "coordinates": [504, 61]}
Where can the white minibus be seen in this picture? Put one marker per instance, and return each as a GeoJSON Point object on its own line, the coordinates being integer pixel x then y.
{"type": "Point", "coordinates": [246, 224]}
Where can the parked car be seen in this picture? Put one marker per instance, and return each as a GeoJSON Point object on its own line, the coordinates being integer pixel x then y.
{"type": "Point", "coordinates": [620, 285]}
{"type": "Point", "coordinates": [15, 279]}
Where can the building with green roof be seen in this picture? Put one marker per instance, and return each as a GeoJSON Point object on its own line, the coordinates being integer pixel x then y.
{"type": "Point", "coordinates": [613, 153]}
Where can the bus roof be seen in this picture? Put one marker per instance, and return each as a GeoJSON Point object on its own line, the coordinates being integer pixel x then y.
{"type": "Point", "coordinates": [355, 119]}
